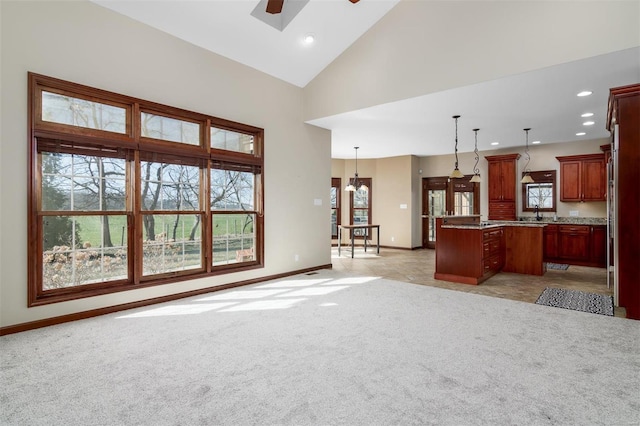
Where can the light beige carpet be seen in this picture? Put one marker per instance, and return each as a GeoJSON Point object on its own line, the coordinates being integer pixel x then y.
{"type": "Point", "coordinates": [327, 349]}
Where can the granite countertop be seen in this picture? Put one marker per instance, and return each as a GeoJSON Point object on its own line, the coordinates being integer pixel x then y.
{"type": "Point", "coordinates": [566, 220]}
{"type": "Point", "coordinates": [520, 223]}
{"type": "Point", "coordinates": [496, 224]}
{"type": "Point", "coordinates": [531, 221]}
{"type": "Point", "coordinates": [481, 226]}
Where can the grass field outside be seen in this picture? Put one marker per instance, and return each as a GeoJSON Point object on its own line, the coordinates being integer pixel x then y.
{"type": "Point", "coordinates": [89, 261]}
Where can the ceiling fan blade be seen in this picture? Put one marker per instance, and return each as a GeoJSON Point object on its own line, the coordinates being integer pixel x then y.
{"type": "Point", "coordinates": [274, 6]}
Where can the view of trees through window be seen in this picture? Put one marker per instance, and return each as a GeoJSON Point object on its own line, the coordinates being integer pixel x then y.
{"type": "Point", "coordinates": [114, 211]}
{"type": "Point", "coordinates": [360, 204]}
{"type": "Point", "coordinates": [540, 194]}
{"type": "Point", "coordinates": [81, 249]}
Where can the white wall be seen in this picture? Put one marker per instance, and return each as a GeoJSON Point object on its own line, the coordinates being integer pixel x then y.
{"type": "Point", "coordinates": [84, 43]}
{"type": "Point", "coordinates": [392, 189]}
{"type": "Point", "coordinates": [423, 47]}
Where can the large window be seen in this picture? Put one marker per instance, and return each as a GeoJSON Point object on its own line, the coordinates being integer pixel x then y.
{"type": "Point", "coordinates": [126, 193]}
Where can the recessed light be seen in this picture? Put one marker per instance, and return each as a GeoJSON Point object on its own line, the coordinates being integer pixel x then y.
{"type": "Point", "coordinates": [585, 93]}
{"type": "Point", "coordinates": [535, 142]}
{"type": "Point", "coordinates": [580, 134]}
{"type": "Point", "coordinates": [587, 114]}
{"type": "Point", "coordinates": [588, 123]}
{"type": "Point", "coordinates": [309, 39]}
{"type": "Point", "coordinates": [495, 143]}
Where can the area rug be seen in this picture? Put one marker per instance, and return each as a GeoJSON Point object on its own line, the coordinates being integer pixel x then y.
{"type": "Point", "coordinates": [577, 301]}
{"type": "Point", "coordinates": [560, 266]}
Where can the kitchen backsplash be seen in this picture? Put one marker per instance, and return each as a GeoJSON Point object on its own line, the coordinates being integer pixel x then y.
{"type": "Point", "coordinates": [567, 219]}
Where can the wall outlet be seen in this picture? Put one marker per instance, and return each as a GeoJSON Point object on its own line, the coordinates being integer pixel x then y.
{"type": "Point", "coordinates": [393, 239]}
{"type": "Point", "coordinates": [573, 213]}
{"type": "Point", "coordinates": [317, 201]}
{"type": "Point", "coordinates": [296, 257]}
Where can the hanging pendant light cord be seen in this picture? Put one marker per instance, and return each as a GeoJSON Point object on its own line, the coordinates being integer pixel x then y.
{"type": "Point", "coordinates": [526, 150]}
{"type": "Point", "coordinates": [456, 148]}
{"type": "Point", "coordinates": [476, 171]}
{"type": "Point", "coordinates": [355, 178]}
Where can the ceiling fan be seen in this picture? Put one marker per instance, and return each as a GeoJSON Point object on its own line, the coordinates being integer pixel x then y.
{"type": "Point", "coordinates": [275, 6]}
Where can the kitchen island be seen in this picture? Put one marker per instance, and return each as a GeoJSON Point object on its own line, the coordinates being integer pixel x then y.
{"type": "Point", "coordinates": [469, 251]}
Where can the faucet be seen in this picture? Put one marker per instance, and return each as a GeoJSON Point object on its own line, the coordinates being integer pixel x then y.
{"type": "Point", "coordinates": [537, 210]}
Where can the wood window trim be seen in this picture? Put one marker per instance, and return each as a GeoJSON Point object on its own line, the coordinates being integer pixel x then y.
{"type": "Point", "coordinates": [465, 187]}
{"type": "Point", "coordinates": [337, 184]}
{"type": "Point", "coordinates": [541, 176]}
{"type": "Point", "coordinates": [449, 186]}
{"type": "Point", "coordinates": [68, 139]}
{"type": "Point", "coordinates": [369, 183]}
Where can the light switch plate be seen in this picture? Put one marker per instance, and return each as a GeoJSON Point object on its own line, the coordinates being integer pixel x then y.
{"type": "Point", "coordinates": [573, 213]}
{"type": "Point", "coordinates": [317, 201]}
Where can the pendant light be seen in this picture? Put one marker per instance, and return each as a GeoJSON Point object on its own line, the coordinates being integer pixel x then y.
{"type": "Point", "coordinates": [353, 183]}
{"type": "Point", "coordinates": [527, 171]}
{"type": "Point", "coordinates": [456, 173]}
{"type": "Point", "coordinates": [476, 171]}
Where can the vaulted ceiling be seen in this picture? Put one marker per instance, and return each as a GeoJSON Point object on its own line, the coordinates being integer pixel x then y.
{"type": "Point", "coordinates": [544, 99]}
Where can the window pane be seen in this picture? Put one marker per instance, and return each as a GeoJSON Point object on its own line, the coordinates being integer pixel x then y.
{"type": "Point", "coordinates": [334, 197]}
{"type": "Point", "coordinates": [79, 250]}
{"type": "Point", "coordinates": [172, 243]}
{"type": "Point", "coordinates": [360, 217]}
{"type": "Point", "coordinates": [437, 202]}
{"type": "Point", "coordinates": [233, 238]}
{"type": "Point", "coordinates": [463, 203]}
{"type": "Point", "coordinates": [231, 141]}
{"type": "Point", "coordinates": [231, 190]}
{"type": "Point", "coordinates": [170, 186]}
{"type": "Point", "coordinates": [361, 198]}
{"type": "Point", "coordinates": [170, 129]}
{"type": "Point", "coordinates": [334, 222]}
{"type": "Point", "coordinates": [82, 113]}
{"type": "Point", "coordinates": [80, 182]}
{"type": "Point", "coordinates": [540, 194]}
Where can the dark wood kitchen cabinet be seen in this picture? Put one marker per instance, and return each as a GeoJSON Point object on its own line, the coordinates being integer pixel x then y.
{"type": "Point", "coordinates": [598, 241]}
{"type": "Point", "coordinates": [502, 186]}
{"type": "Point", "coordinates": [573, 243]}
{"type": "Point", "coordinates": [550, 238]}
{"type": "Point", "coordinates": [623, 122]}
{"type": "Point", "coordinates": [470, 254]}
{"type": "Point", "coordinates": [583, 178]}
{"type": "Point", "coordinates": [584, 245]}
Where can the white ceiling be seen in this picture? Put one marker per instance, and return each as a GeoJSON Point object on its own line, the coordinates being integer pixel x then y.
{"type": "Point", "coordinates": [227, 28]}
{"type": "Point", "coordinates": [544, 100]}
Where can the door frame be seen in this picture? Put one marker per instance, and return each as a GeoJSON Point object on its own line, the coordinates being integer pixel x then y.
{"type": "Point", "coordinates": [449, 185]}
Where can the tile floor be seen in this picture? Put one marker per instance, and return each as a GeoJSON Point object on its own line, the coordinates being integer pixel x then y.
{"type": "Point", "coordinates": [418, 266]}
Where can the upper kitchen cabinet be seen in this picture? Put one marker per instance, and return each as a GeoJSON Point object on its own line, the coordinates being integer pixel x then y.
{"type": "Point", "coordinates": [583, 178]}
{"type": "Point", "coordinates": [502, 186]}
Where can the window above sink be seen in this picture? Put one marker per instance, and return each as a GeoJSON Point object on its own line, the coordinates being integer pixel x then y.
{"type": "Point", "coordinates": [541, 192]}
